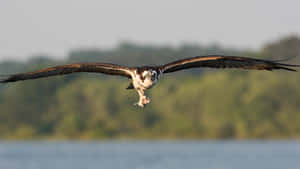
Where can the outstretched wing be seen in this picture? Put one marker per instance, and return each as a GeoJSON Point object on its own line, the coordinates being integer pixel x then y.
{"type": "Point", "coordinates": [105, 68]}
{"type": "Point", "coordinates": [219, 61]}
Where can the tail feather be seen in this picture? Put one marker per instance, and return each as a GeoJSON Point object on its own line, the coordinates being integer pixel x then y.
{"type": "Point", "coordinates": [130, 86]}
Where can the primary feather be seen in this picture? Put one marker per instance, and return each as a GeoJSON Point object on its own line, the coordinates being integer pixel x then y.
{"type": "Point", "coordinates": [105, 68]}
{"type": "Point", "coordinates": [219, 61]}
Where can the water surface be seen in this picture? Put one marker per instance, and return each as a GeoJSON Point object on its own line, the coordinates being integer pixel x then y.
{"type": "Point", "coordinates": [151, 155]}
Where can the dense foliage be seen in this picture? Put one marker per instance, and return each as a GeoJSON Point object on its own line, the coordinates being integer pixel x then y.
{"type": "Point", "coordinates": [189, 104]}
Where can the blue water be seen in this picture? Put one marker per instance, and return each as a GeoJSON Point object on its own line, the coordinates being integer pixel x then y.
{"type": "Point", "coordinates": [151, 155]}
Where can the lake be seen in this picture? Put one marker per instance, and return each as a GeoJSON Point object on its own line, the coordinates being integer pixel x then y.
{"type": "Point", "coordinates": [150, 155]}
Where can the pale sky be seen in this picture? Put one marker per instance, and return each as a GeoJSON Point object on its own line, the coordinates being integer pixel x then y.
{"type": "Point", "coordinates": [54, 27]}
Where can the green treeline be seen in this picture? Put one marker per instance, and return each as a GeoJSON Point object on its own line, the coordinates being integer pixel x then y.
{"type": "Point", "coordinates": [203, 103]}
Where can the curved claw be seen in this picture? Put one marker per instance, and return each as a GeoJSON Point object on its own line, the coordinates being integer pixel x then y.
{"type": "Point", "coordinates": [142, 102]}
{"type": "Point", "coordinates": [139, 104]}
{"type": "Point", "coordinates": [146, 100]}
{"type": "Point", "coordinates": [143, 99]}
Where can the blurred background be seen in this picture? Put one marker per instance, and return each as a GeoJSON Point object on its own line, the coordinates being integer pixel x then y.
{"type": "Point", "coordinates": [189, 105]}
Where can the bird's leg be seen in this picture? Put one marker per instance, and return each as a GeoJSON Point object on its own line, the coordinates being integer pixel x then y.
{"type": "Point", "coordinates": [143, 99]}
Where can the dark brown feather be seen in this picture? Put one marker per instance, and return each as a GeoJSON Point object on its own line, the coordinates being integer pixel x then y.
{"type": "Point", "coordinates": [219, 61]}
{"type": "Point", "coordinates": [105, 68]}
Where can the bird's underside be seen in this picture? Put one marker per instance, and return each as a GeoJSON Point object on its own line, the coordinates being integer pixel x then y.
{"type": "Point", "coordinates": [145, 77]}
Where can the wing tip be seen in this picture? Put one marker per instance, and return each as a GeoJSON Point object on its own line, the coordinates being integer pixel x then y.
{"type": "Point", "coordinates": [3, 79]}
{"type": "Point", "coordinates": [7, 78]}
{"type": "Point", "coordinates": [6, 81]}
{"type": "Point", "coordinates": [288, 67]}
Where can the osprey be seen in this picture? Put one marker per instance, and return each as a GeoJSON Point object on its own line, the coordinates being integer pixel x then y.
{"type": "Point", "coordinates": [145, 77]}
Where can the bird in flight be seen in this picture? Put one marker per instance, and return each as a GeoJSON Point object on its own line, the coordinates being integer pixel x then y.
{"type": "Point", "coordinates": [145, 77]}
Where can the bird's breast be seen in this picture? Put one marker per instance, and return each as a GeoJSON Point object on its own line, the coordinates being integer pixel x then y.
{"type": "Point", "coordinates": [146, 83]}
{"type": "Point", "coordinates": [145, 79]}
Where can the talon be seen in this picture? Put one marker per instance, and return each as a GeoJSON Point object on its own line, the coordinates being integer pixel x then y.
{"type": "Point", "coordinates": [143, 99]}
{"type": "Point", "coordinates": [146, 100]}
{"type": "Point", "coordinates": [139, 104]}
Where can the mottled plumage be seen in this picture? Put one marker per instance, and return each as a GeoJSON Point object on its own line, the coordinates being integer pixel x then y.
{"type": "Point", "coordinates": [145, 77]}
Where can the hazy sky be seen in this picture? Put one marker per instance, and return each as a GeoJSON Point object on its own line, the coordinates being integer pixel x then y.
{"type": "Point", "coordinates": [56, 26]}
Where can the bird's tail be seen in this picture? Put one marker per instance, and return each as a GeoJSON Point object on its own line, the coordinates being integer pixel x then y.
{"type": "Point", "coordinates": [130, 86]}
